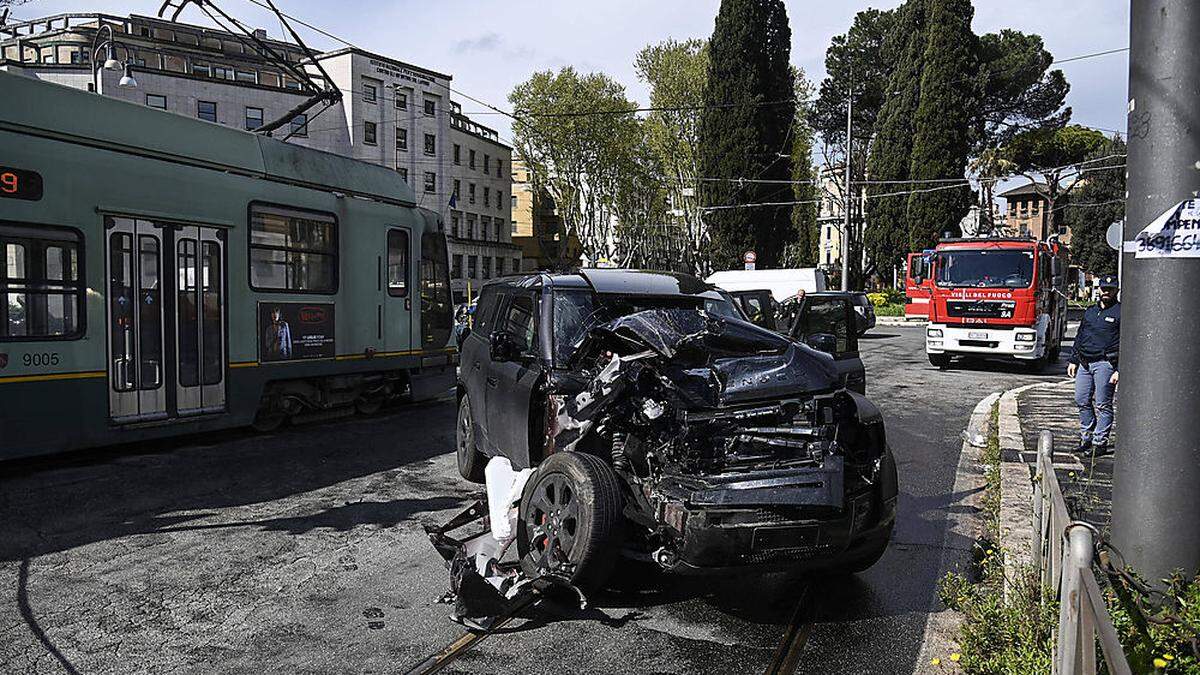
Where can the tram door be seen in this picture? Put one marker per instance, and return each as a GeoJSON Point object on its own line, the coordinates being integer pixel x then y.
{"type": "Point", "coordinates": [165, 310]}
{"type": "Point", "coordinates": [199, 321]}
{"type": "Point", "coordinates": [398, 303]}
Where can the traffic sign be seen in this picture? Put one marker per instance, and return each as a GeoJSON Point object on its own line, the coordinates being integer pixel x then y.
{"type": "Point", "coordinates": [1113, 236]}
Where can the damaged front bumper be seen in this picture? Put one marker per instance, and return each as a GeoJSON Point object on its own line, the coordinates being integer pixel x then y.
{"type": "Point", "coordinates": [796, 518]}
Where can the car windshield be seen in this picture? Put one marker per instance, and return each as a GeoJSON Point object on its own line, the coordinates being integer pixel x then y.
{"type": "Point", "coordinates": [985, 269]}
{"type": "Point", "coordinates": [577, 312]}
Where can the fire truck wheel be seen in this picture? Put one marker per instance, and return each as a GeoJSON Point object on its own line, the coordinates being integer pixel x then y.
{"type": "Point", "coordinates": [940, 360]}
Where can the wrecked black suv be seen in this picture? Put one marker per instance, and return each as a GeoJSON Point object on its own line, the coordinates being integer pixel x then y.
{"type": "Point", "coordinates": [664, 426]}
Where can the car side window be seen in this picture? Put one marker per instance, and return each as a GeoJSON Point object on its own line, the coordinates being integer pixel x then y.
{"type": "Point", "coordinates": [831, 316]}
{"type": "Point", "coordinates": [520, 321]}
{"type": "Point", "coordinates": [485, 311]}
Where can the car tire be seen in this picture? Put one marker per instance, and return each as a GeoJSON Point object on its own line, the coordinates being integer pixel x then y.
{"type": "Point", "coordinates": [471, 462]}
{"type": "Point", "coordinates": [570, 520]}
{"type": "Point", "coordinates": [939, 360]}
{"type": "Point", "coordinates": [868, 557]}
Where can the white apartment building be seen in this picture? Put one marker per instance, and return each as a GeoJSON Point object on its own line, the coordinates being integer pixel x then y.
{"type": "Point", "coordinates": [392, 113]}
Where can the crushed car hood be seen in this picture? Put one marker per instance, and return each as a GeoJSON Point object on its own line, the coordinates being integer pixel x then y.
{"type": "Point", "coordinates": [716, 361]}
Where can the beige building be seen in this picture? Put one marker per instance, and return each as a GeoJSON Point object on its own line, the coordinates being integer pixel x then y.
{"type": "Point", "coordinates": [391, 113]}
{"type": "Point", "coordinates": [537, 227]}
{"type": "Point", "coordinates": [1026, 213]}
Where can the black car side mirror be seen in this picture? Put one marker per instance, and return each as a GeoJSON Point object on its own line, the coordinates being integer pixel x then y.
{"type": "Point", "coordinates": [823, 342]}
{"type": "Point", "coordinates": [502, 347]}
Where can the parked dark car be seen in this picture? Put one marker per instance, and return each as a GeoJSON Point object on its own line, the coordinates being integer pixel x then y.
{"type": "Point", "coordinates": [660, 421]}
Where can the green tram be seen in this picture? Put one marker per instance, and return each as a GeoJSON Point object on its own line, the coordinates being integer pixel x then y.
{"type": "Point", "coordinates": [164, 276]}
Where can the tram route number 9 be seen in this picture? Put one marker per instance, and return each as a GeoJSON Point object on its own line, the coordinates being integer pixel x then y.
{"type": "Point", "coordinates": [20, 184]}
{"type": "Point", "coordinates": [40, 360]}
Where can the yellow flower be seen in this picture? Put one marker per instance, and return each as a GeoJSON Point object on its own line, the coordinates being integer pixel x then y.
{"type": "Point", "coordinates": [935, 661]}
{"type": "Point", "coordinates": [1070, 474]}
{"type": "Point", "coordinates": [1160, 663]}
{"type": "Point", "coordinates": [1169, 657]}
{"type": "Point", "coordinates": [955, 657]}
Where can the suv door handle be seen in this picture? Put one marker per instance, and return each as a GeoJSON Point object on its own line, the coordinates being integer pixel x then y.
{"type": "Point", "coordinates": [491, 381]}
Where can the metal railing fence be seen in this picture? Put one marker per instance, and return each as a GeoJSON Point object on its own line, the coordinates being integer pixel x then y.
{"type": "Point", "coordinates": [1064, 553]}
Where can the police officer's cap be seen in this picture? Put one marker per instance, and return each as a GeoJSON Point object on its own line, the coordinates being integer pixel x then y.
{"type": "Point", "coordinates": [1109, 281]}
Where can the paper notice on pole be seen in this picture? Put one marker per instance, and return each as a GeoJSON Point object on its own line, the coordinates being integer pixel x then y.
{"type": "Point", "coordinates": [1174, 234]}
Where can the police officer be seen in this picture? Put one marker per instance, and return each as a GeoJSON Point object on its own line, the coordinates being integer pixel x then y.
{"type": "Point", "coordinates": [1093, 364]}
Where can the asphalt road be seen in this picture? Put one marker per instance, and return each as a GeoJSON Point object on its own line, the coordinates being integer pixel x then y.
{"type": "Point", "coordinates": [302, 552]}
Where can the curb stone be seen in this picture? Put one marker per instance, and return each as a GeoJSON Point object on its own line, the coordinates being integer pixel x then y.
{"type": "Point", "coordinates": [941, 628]}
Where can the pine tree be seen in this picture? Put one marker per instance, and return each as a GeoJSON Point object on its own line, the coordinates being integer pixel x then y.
{"type": "Point", "coordinates": [744, 131]}
{"type": "Point", "coordinates": [948, 104]}
{"type": "Point", "coordinates": [887, 228]}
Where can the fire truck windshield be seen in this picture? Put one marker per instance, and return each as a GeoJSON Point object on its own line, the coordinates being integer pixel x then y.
{"type": "Point", "coordinates": [985, 269]}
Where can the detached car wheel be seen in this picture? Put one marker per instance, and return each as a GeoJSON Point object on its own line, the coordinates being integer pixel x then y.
{"type": "Point", "coordinates": [471, 462]}
{"type": "Point", "coordinates": [570, 520]}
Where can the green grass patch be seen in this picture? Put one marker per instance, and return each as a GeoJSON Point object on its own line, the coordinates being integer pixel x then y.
{"type": "Point", "coordinates": [890, 309]}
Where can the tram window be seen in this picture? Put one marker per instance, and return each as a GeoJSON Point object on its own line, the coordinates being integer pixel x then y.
{"type": "Point", "coordinates": [437, 314]}
{"type": "Point", "coordinates": [397, 266]}
{"type": "Point", "coordinates": [185, 304]}
{"type": "Point", "coordinates": [41, 291]}
{"type": "Point", "coordinates": [210, 298]}
{"type": "Point", "coordinates": [149, 301]}
{"type": "Point", "coordinates": [292, 250]}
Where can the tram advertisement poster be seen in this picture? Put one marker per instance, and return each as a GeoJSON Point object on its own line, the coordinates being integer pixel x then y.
{"type": "Point", "coordinates": [294, 331]}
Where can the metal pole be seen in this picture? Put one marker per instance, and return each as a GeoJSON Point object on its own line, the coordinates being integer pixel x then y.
{"type": "Point", "coordinates": [1072, 628]}
{"type": "Point", "coordinates": [1156, 484]}
{"type": "Point", "coordinates": [847, 192]}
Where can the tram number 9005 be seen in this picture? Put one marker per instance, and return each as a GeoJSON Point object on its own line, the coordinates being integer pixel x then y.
{"type": "Point", "coordinates": [40, 360]}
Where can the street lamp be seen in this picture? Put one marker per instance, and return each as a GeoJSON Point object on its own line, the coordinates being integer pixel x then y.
{"type": "Point", "coordinates": [110, 61]}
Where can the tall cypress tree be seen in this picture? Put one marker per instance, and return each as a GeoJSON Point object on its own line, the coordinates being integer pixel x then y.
{"type": "Point", "coordinates": [942, 132]}
{"type": "Point", "coordinates": [886, 233]}
{"type": "Point", "coordinates": [744, 131]}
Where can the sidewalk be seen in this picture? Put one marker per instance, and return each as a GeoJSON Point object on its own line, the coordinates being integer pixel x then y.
{"type": "Point", "coordinates": [1086, 479]}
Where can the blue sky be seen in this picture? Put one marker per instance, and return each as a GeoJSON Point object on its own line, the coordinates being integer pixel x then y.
{"type": "Point", "coordinates": [489, 46]}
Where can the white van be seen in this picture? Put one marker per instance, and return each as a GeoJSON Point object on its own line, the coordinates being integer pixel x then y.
{"type": "Point", "coordinates": [783, 284]}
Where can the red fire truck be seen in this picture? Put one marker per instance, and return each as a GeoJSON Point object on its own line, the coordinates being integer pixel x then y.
{"type": "Point", "coordinates": [916, 295]}
{"type": "Point", "coordinates": [995, 297]}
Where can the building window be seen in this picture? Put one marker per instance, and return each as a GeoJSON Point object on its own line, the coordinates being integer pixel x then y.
{"type": "Point", "coordinates": [397, 267]}
{"type": "Point", "coordinates": [457, 189]}
{"type": "Point", "coordinates": [456, 266]}
{"type": "Point", "coordinates": [222, 73]}
{"type": "Point", "coordinates": [499, 164]}
{"type": "Point", "coordinates": [401, 99]}
{"type": "Point", "coordinates": [471, 192]}
{"type": "Point", "coordinates": [246, 76]}
{"type": "Point", "coordinates": [202, 69]}
{"type": "Point", "coordinates": [500, 199]}
{"type": "Point", "coordinates": [401, 139]}
{"type": "Point", "coordinates": [516, 266]}
{"type": "Point", "coordinates": [471, 158]}
{"type": "Point", "coordinates": [430, 107]}
{"type": "Point", "coordinates": [457, 153]}
{"type": "Point", "coordinates": [487, 196]}
{"type": "Point", "coordinates": [292, 250]}
{"type": "Point", "coordinates": [499, 267]}
{"type": "Point", "coordinates": [41, 287]}
{"type": "Point", "coordinates": [487, 162]}
{"type": "Point", "coordinates": [430, 181]}
{"type": "Point", "coordinates": [485, 224]}
{"type": "Point", "coordinates": [156, 101]}
{"type": "Point", "coordinates": [300, 125]}
{"type": "Point", "coordinates": [454, 220]}
{"type": "Point", "coordinates": [369, 133]}
{"type": "Point", "coordinates": [430, 144]}
{"type": "Point", "coordinates": [472, 266]}
{"type": "Point", "coordinates": [370, 93]}
{"type": "Point", "coordinates": [470, 227]}
{"type": "Point", "coordinates": [206, 110]}
{"type": "Point", "coordinates": [403, 173]}
{"type": "Point", "coordinates": [514, 202]}
{"type": "Point", "coordinates": [487, 267]}
{"type": "Point", "coordinates": [254, 118]}
{"type": "Point", "coordinates": [499, 228]}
